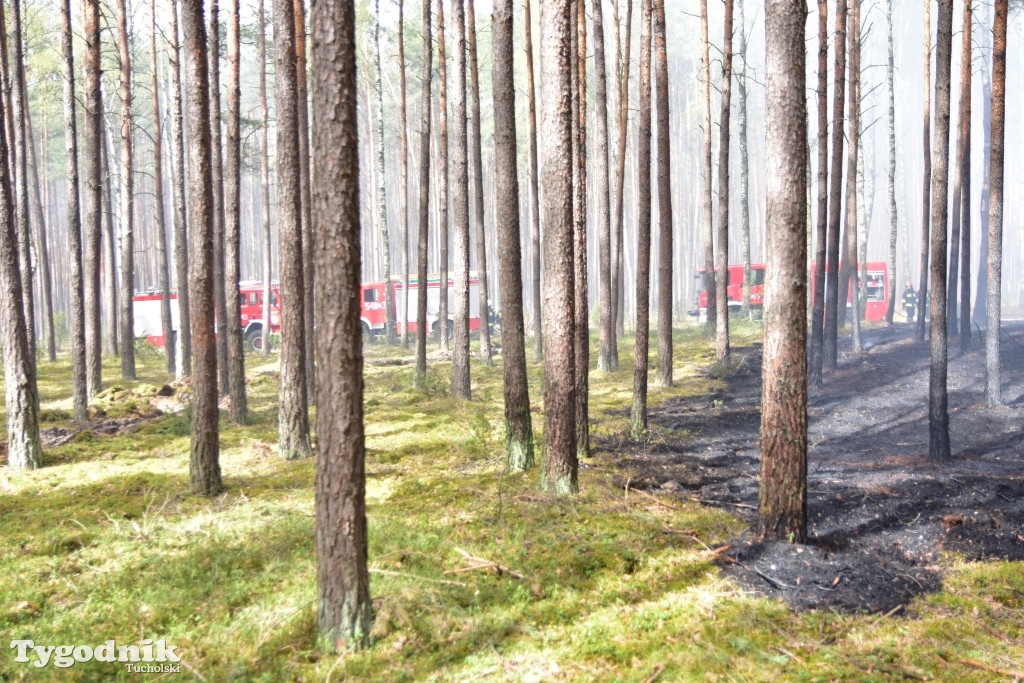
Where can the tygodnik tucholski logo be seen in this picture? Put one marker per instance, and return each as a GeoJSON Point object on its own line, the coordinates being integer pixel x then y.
{"type": "Point", "coordinates": [152, 657]}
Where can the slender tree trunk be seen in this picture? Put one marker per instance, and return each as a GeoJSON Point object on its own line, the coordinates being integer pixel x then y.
{"type": "Point", "coordinates": [93, 195]}
{"type": "Point", "coordinates": [538, 330]}
{"type": "Point", "coordinates": [302, 100]}
{"type": "Point", "coordinates": [821, 228]}
{"type": "Point", "coordinates": [232, 222]}
{"type": "Point", "coordinates": [382, 200]}
{"type": "Point", "coordinates": [265, 181]}
{"type": "Point", "coordinates": [618, 263]}
{"type": "Point", "coordinates": [204, 470]}
{"type": "Point", "coordinates": [293, 419]}
{"type": "Point", "coordinates": [834, 299]}
{"type": "Point", "coordinates": [938, 396]}
{"type": "Point", "coordinates": [602, 210]}
{"type": "Point", "coordinates": [666, 252]}
{"type": "Point", "coordinates": [7, 95]}
{"type": "Point", "coordinates": [741, 90]}
{"type": "Point", "coordinates": [344, 609]}
{"type": "Point", "coordinates": [184, 335]}
{"type": "Point", "coordinates": [442, 66]}
{"type": "Point", "coordinates": [158, 204]}
{"type": "Point", "coordinates": [42, 245]}
{"type": "Point", "coordinates": [782, 508]}
{"type": "Point", "coordinates": [922, 290]}
{"type": "Point", "coordinates": [960, 162]}
{"type": "Point", "coordinates": [403, 200]}
{"type": "Point", "coordinates": [638, 412]}
{"type": "Point", "coordinates": [460, 206]}
{"type": "Point", "coordinates": [422, 253]}
{"type": "Point", "coordinates": [476, 159]}
{"type": "Point", "coordinates": [986, 169]}
{"type": "Point", "coordinates": [707, 216]}
{"type": "Point", "coordinates": [79, 390]}
{"type": "Point", "coordinates": [110, 255]}
{"type": "Point", "coordinates": [21, 210]}
{"type": "Point", "coordinates": [993, 301]}
{"type": "Point", "coordinates": [219, 295]}
{"type": "Point", "coordinates": [559, 473]}
{"type": "Point", "coordinates": [579, 185]}
{"type": "Point", "coordinates": [722, 281]}
{"type": "Point", "coordinates": [893, 221]}
{"type": "Point", "coordinates": [518, 428]}
{"type": "Point", "coordinates": [848, 272]}
{"type": "Point", "coordinates": [965, 179]}
{"type": "Point", "coordinates": [127, 316]}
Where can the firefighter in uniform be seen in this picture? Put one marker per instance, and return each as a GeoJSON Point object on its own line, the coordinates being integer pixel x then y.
{"type": "Point", "coordinates": [909, 301]}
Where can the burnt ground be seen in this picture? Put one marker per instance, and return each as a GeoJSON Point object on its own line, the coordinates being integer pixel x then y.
{"type": "Point", "coordinates": [879, 513]}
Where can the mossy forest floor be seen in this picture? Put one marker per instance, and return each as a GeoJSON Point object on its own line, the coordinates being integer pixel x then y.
{"type": "Point", "coordinates": [106, 543]}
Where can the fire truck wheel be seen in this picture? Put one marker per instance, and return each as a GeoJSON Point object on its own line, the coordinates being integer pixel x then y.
{"type": "Point", "coordinates": [254, 339]}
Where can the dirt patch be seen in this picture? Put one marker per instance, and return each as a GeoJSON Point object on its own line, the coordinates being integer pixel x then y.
{"type": "Point", "coordinates": [879, 513]}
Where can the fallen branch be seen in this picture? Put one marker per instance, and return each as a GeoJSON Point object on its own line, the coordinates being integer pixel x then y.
{"type": "Point", "coordinates": [1016, 675]}
{"type": "Point", "coordinates": [416, 576]}
{"type": "Point", "coordinates": [656, 673]}
{"type": "Point", "coordinates": [480, 563]}
{"type": "Point", "coordinates": [777, 584]}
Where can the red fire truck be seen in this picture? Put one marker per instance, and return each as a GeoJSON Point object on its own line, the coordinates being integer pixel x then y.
{"type": "Point", "coordinates": [877, 290]}
{"type": "Point", "coordinates": [148, 322]}
{"type": "Point", "coordinates": [734, 286]}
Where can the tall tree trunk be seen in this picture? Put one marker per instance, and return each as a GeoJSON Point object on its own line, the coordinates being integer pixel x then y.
{"type": "Point", "coordinates": [110, 255]}
{"type": "Point", "coordinates": [127, 316]}
{"type": "Point", "coordinates": [423, 214]}
{"type": "Point", "coordinates": [293, 419]}
{"type": "Point", "coordinates": [579, 186]}
{"type": "Point", "coordinates": [986, 168]}
{"type": "Point", "coordinates": [7, 95]}
{"type": "Point", "coordinates": [79, 390]}
{"type": "Point", "coordinates": [722, 281]}
{"type": "Point", "coordinates": [184, 335]}
{"type": "Point", "coordinates": [993, 301]}
{"type": "Point", "coordinates": [302, 99]}
{"type": "Point", "coordinates": [265, 181]}
{"type": "Point", "coordinates": [848, 272]}
{"type": "Point", "coordinates": [42, 245]}
{"type": "Point", "coordinates": [938, 396]}
{"type": "Point", "coordinates": [476, 159]}
{"type": "Point", "coordinates": [21, 210]}
{"type": "Point", "coordinates": [782, 507]}
{"type": "Point", "coordinates": [442, 67]}
{"type": "Point", "coordinates": [602, 210]}
{"type": "Point", "coordinates": [965, 180]}
{"type": "Point", "coordinates": [381, 189]}
{"type": "Point", "coordinates": [518, 425]}
{"type": "Point", "coordinates": [707, 216]}
{"type": "Point", "coordinates": [833, 297]}
{"type": "Point", "coordinates": [460, 206]}
{"type": "Point", "coordinates": [559, 473]}
{"type": "Point", "coordinates": [403, 199]}
{"type": "Point", "coordinates": [741, 90]}
{"type": "Point", "coordinates": [538, 330]}
{"type": "Point", "coordinates": [638, 412]}
{"type": "Point", "coordinates": [960, 162]}
{"type": "Point", "coordinates": [158, 204]}
{"type": "Point", "coordinates": [893, 222]}
{"type": "Point", "coordinates": [922, 290]}
{"type": "Point", "coordinates": [219, 294]}
{"type": "Point", "coordinates": [666, 252]}
{"type": "Point", "coordinates": [821, 228]}
{"type": "Point", "coordinates": [232, 222]}
{"type": "Point", "coordinates": [93, 194]}
{"type": "Point", "coordinates": [344, 610]}
{"type": "Point", "coordinates": [204, 470]}
{"type": "Point", "coordinates": [618, 263]}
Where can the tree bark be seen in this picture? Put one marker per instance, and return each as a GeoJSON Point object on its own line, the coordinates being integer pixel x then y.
{"type": "Point", "coordinates": [344, 610]}
{"type": "Point", "coordinates": [722, 281]}
{"type": "Point", "coordinates": [965, 180]}
{"type": "Point", "coordinates": [476, 159]}
{"type": "Point", "coordinates": [707, 217]}
{"type": "Point", "coordinates": [422, 253]}
{"type": "Point", "coordinates": [960, 162]}
{"type": "Point", "coordinates": [204, 470]}
{"type": "Point", "coordinates": [849, 266]}
{"type": "Point", "coordinates": [638, 411]}
{"type": "Point", "coordinates": [821, 228]}
{"type": "Point", "coordinates": [666, 251]}
{"type": "Point", "coordinates": [403, 199]}
{"type": "Point", "coordinates": [93, 195]}
{"type": "Point", "coordinates": [582, 307]}
{"type": "Point", "coordinates": [922, 290]}
{"type": "Point", "coordinates": [232, 223]}
{"type": "Point", "coordinates": [382, 200]}
{"type": "Point", "coordinates": [21, 210]}
{"type": "Point", "coordinates": [986, 168]}
{"type": "Point", "coordinates": [302, 100]}
{"type": "Point", "coordinates": [531, 88]}
{"type": "Point", "coordinates": [938, 396]}
{"type": "Point", "coordinates": [184, 335]}
{"type": "Point", "coordinates": [833, 297]}
{"type": "Point", "coordinates": [518, 424]}
{"type": "Point", "coordinates": [893, 219]}
{"type": "Point", "coordinates": [460, 206]}
{"type": "Point", "coordinates": [993, 300]}
{"type": "Point", "coordinates": [265, 181]}
{"type": "Point", "coordinates": [618, 288]}
{"type": "Point", "coordinates": [293, 419]}
{"type": "Point", "coordinates": [42, 245]}
{"type": "Point", "coordinates": [602, 210]}
{"type": "Point", "coordinates": [442, 66]}
{"type": "Point", "coordinates": [127, 316]}
{"type": "Point", "coordinates": [741, 91]}
{"type": "Point", "coordinates": [79, 389]}
{"type": "Point", "coordinates": [559, 473]}
{"type": "Point", "coordinates": [782, 507]}
{"type": "Point", "coordinates": [219, 293]}
{"type": "Point", "coordinates": [158, 208]}
{"type": "Point", "coordinates": [110, 255]}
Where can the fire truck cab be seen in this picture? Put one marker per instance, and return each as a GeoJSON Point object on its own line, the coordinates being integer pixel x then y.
{"type": "Point", "coordinates": [374, 313]}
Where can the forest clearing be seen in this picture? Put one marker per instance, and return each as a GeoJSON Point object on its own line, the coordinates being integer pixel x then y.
{"type": "Point", "coordinates": [613, 584]}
